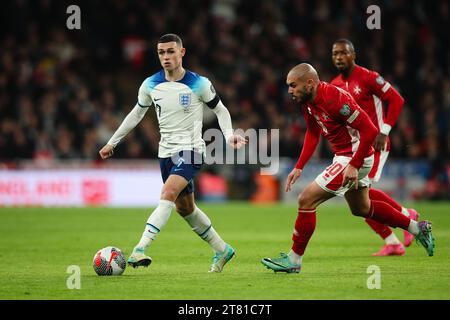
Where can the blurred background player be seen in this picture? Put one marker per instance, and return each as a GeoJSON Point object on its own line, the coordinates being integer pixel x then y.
{"type": "Point", "coordinates": [371, 92]}
{"type": "Point", "coordinates": [63, 93]}
{"type": "Point", "coordinates": [178, 96]}
{"type": "Point", "coordinates": [331, 111]}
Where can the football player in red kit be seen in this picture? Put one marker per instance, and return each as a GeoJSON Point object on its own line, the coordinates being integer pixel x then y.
{"type": "Point", "coordinates": [332, 112]}
{"type": "Point", "coordinates": [370, 91]}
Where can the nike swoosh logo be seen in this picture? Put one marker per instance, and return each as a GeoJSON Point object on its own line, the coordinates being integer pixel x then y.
{"type": "Point", "coordinates": [157, 99]}
{"type": "Point", "coordinates": [177, 169]}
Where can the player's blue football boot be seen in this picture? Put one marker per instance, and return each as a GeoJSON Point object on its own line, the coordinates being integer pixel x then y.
{"type": "Point", "coordinates": [425, 237]}
{"type": "Point", "coordinates": [221, 259]}
{"type": "Point", "coordinates": [138, 258]}
{"type": "Point", "coordinates": [282, 264]}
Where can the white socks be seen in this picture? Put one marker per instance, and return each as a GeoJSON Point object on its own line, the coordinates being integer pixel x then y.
{"type": "Point", "coordinates": [155, 223]}
{"type": "Point", "coordinates": [413, 227]}
{"type": "Point", "coordinates": [198, 220]}
{"type": "Point", "coordinates": [391, 239]}
{"type": "Point", "coordinates": [405, 212]}
{"type": "Point", "coordinates": [295, 258]}
{"type": "Point", "coordinates": [201, 225]}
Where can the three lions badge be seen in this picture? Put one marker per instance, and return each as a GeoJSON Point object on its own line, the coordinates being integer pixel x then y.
{"type": "Point", "coordinates": [185, 101]}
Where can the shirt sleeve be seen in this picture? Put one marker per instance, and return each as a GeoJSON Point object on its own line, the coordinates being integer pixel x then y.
{"type": "Point", "coordinates": [388, 94]}
{"type": "Point", "coordinates": [343, 107]}
{"type": "Point", "coordinates": [348, 112]}
{"type": "Point", "coordinates": [377, 85]}
{"type": "Point", "coordinates": [144, 96]}
{"type": "Point", "coordinates": [131, 120]}
{"type": "Point", "coordinates": [208, 94]}
{"type": "Point", "coordinates": [367, 134]}
{"type": "Point", "coordinates": [224, 118]}
{"type": "Point", "coordinates": [310, 142]}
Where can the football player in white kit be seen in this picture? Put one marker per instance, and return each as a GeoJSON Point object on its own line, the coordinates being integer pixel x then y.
{"type": "Point", "coordinates": [178, 96]}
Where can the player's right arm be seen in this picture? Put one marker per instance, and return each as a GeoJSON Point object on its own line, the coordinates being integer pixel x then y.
{"type": "Point", "coordinates": [129, 123]}
{"type": "Point", "coordinates": [212, 100]}
{"type": "Point", "coordinates": [346, 111]}
{"type": "Point", "coordinates": [390, 96]}
{"type": "Point", "coordinates": [310, 142]}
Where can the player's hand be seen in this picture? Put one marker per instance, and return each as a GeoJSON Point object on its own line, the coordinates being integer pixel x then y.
{"type": "Point", "coordinates": [380, 142]}
{"type": "Point", "coordinates": [107, 151]}
{"type": "Point", "coordinates": [237, 141]}
{"type": "Point", "coordinates": [292, 177]}
{"type": "Point", "coordinates": [350, 177]}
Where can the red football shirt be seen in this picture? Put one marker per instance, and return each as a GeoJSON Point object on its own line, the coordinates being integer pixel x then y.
{"type": "Point", "coordinates": [370, 90]}
{"type": "Point", "coordinates": [336, 115]}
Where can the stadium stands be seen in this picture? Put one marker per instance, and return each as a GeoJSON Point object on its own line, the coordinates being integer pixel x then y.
{"type": "Point", "coordinates": [64, 92]}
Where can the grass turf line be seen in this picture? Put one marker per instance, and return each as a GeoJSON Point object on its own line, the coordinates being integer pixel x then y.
{"type": "Point", "coordinates": [44, 242]}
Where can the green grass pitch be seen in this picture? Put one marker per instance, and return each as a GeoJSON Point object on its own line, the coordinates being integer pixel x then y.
{"type": "Point", "coordinates": [38, 244]}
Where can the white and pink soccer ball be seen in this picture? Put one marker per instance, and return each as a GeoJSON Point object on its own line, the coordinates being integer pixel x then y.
{"type": "Point", "coordinates": [109, 261]}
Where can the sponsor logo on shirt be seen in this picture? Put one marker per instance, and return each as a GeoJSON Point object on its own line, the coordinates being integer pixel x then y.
{"type": "Point", "coordinates": [380, 80]}
{"type": "Point", "coordinates": [345, 110]}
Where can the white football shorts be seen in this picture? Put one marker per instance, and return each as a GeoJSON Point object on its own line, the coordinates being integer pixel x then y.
{"type": "Point", "coordinates": [332, 177]}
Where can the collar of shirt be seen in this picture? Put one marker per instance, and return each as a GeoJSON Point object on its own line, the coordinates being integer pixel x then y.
{"type": "Point", "coordinates": [318, 99]}
{"type": "Point", "coordinates": [352, 74]}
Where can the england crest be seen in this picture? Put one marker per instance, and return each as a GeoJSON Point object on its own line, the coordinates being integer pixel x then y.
{"type": "Point", "coordinates": [185, 100]}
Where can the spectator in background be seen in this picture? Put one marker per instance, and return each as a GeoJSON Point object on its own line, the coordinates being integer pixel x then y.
{"type": "Point", "coordinates": [53, 80]}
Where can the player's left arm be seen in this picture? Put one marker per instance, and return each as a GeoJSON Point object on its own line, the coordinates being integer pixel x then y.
{"type": "Point", "coordinates": [130, 122]}
{"type": "Point", "coordinates": [355, 117]}
{"type": "Point", "coordinates": [310, 142]}
{"type": "Point", "coordinates": [212, 100]}
{"type": "Point", "coordinates": [389, 95]}
{"type": "Point", "coordinates": [367, 135]}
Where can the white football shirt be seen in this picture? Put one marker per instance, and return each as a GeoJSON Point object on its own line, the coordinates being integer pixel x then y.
{"type": "Point", "coordinates": [179, 108]}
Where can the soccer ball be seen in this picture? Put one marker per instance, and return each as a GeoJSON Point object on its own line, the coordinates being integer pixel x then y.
{"type": "Point", "coordinates": [109, 261]}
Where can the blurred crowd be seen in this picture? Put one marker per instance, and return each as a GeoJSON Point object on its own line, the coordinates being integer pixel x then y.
{"type": "Point", "coordinates": [64, 92]}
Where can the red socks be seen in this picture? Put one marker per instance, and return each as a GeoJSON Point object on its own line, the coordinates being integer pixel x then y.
{"type": "Point", "coordinates": [383, 230]}
{"type": "Point", "coordinates": [380, 215]}
{"type": "Point", "coordinates": [304, 229]}
{"type": "Point", "coordinates": [376, 194]}
{"type": "Point", "coordinates": [383, 213]}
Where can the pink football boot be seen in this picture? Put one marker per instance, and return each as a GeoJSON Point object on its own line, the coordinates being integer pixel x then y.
{"type": "Point", "coordinates": [390, 250]}
{"type": "Point", "coordinates": [408, 237]}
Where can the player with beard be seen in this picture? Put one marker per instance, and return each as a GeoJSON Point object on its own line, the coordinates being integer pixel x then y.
{"type": "Point", "coordinates": [371, 91]}
{"type": "Point", "coordinates": [333, 113]}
